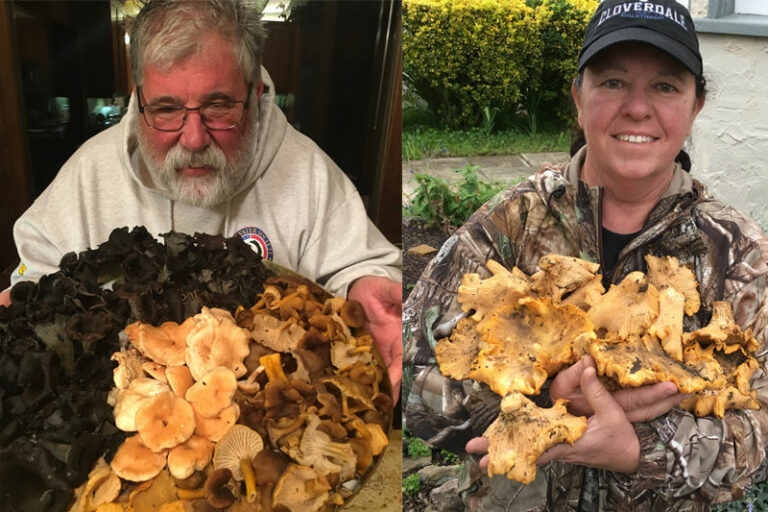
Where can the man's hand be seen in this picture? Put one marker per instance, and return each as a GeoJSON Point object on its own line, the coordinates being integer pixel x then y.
{"type": "Point", "coordinates": [5, 298]}
{"type": "Point", "coordinates": [383, 304]}
{"type": "Point", "coordinates": [640, 404]}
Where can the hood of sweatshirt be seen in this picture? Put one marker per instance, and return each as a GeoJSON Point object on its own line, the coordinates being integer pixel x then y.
{"type": "Point", "coordinates": [270, 129]}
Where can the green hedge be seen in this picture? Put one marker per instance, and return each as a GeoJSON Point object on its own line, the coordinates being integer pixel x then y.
{"type": "Point", "coordinates": [474, 60]}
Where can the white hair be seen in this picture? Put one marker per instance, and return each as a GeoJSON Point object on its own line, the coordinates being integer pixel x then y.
{"type": "Point", "coordinates": [167, 32]}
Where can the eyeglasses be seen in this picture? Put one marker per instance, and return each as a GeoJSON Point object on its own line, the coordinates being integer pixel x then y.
{"type": "Point", "coordinates": [216, 115]}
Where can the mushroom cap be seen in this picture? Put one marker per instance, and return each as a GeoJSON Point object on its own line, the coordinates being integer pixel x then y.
{"type": "Point", "coordinates": [301, 488]}
{"type": "Point", "coordinates": [456, 353]}
{"type": "Point", "coordinates": [722, 330]}
{"type": "Point", "coordinates": [127, 404]}
{"type": "Point", "coordinates": [668, 327]}
{"type": "Point", "coordinates": [566, 274]}
{"type": "Point", "coordinates": [129, 364]}
{"type": "Point", "coordinates": [135, 462]}
{"type": "Point", "coordinates": [271, 465]}
{"type": "Point", "coordinates": [179, 379]}
{"type": "Point", "coordinates": [636, 362]}
{"type": "Point", "coordinates": [523, 432]}
{"type": "Point", "coordinates": [482, 295]}
{"type": "Point", "coordinates": [526, 342]}
{"type": "Point", "coordinates": [155, 370]}
{"type": "Point", "coordinates": [192, 455]}
{"type": "Point", "coordinates": [279, 335]}
{"type": "Point", "coordinates": [211, 394]}
{"type": "Point", "coordinates": [166, 344]}
{"type": "Point", "coordinates": [717, 401]}
{"type": "Point", "coordinates": [215, 428]}
{"type": "Point", "coordinates": [628, 308]}
{"type": "Point", "coordinates": [216, 340]}
{"type": "Point", "coordinates": [353, 314]}
{"type": "Point", "coordinates": [667, 271]}
{"type": "Point", "coordinates": [239, 443]}
{"type": "Point", "coordinates": [164, 421]}
{"type": "Point", "coordinates": [379, 440]}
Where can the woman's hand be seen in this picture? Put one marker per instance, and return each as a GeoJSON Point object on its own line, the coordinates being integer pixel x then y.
{"type": "Point", "coordinates": [609, 442]}
{"type": "Point", "coordinates": [640, 404]}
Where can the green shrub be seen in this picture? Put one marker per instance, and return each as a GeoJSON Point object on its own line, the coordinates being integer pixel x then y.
{"type": "Point", "coordinates": [464, 55]}
{"type": "Point", "coordinates": [756, 500]}
{"type": "Point", "coordinates": [445, 204]}
{"type": "Point", "coordinates": [482, 62]}
{"type": "Point", "coordinates": [418, 448]}
{"type": "Point", "coordinates": [411, 484]}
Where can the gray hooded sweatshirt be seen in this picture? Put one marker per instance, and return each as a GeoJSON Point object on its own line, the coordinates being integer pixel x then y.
{"type": "Point", "coordinates": [296, 207]}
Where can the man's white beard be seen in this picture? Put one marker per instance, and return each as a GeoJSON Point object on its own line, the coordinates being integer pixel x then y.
{"type": "Point", "coordinates": [221, 182]}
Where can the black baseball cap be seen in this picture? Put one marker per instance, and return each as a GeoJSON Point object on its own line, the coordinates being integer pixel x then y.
{"type": "Point", "coordinates": [664, 24]}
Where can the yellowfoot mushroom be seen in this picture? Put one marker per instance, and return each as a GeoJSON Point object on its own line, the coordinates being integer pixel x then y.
{"type": "Point", "coordinates": [235, 452]}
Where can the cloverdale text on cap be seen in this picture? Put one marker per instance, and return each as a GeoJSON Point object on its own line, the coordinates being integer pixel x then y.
{"type": "Point", "coordinates": [642, 8]}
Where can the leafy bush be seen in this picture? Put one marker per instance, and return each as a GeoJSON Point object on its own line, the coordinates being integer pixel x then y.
{"type": "Point", "coordinates": [418, 448]}
{"type": "Point", "coordinates": [411, 484]}
{"type": "Point", "coordinates": [445, 204]}
{"type": "Point", "coordinates": [482, 61]}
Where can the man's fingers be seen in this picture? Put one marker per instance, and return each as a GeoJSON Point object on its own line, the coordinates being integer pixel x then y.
{"type": "Point", "coordinates": [483, 462]}
{"type": "Point", "coordinates": [395, 371]}
{"type": "Point", "coordinates": [5, 298]}
{"type": "Point", "coordinates": [477, 445]}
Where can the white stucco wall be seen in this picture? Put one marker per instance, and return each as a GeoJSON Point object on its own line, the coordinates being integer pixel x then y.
{"type": "Point", "coordinates": [729, 141]}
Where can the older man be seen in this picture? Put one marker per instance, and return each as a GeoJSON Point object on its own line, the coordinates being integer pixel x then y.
{"type": "Point", "coordinates": [204, 148]}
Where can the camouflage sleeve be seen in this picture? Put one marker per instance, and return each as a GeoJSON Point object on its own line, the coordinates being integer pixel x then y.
{"type": "Point", "coordinates": [445, 412]}
{"type": "Point", "coordinates": [711, 459]}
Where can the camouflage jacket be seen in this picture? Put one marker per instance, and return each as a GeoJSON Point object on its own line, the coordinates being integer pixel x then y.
{"type": "Point", "coordinates": [686, 463]}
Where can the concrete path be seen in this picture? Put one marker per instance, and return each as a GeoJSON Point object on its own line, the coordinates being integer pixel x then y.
{"type": "Point", "coordinates": [500, 167]}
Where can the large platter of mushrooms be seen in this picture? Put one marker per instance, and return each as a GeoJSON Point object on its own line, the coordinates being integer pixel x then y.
{"type": "Point", "coordinates": [197, 379]}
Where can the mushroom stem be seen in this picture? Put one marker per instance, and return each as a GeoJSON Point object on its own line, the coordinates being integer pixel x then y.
{"type": "Point", "coordinates": [359, 350]}
{"type": "Point", "coordinates": [250, 480]}
{"type": "Point", "coordinates": [271, 364]}
{"type": "Point", "coordinates": [344, 406]}
{"type": "Point", "coordinates": [191, 494]}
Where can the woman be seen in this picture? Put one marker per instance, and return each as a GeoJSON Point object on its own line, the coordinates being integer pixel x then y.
{"type": "Point", "coordinates": [624, 194]}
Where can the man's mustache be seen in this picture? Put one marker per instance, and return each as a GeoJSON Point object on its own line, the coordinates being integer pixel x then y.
{"type": "Point", "coordinates": [178, 156]}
